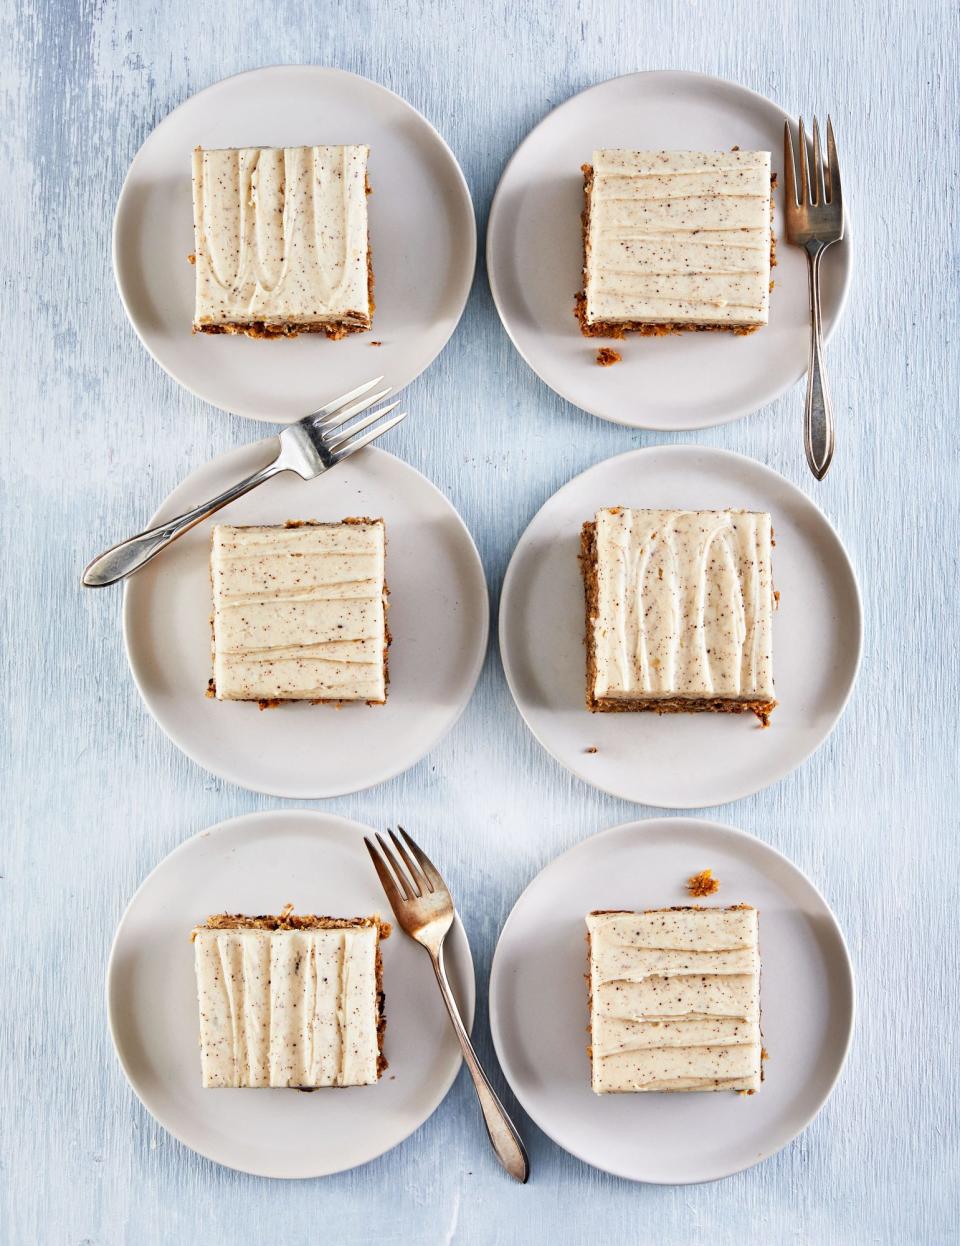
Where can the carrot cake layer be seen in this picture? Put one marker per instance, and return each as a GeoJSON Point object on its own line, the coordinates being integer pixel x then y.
{"type": "Point", "coordinates": [676, 240]}
{"type": "Point", "coordinates": [675, 1000]}
{"type": "Point", "coordinates": [286, 1004]}
{"type": "Point", "coordinates": [280, 238]}
{"type": "Point", "coordinates": [299, 612]}
{"type": "Point", "coordinates": [679, 610]}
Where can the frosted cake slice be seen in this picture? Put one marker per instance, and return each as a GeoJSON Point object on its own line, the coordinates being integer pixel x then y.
{"type": "Point", "coordinates": [675, 1000]}
{"type": "Point", "coordinates": [675, 240]}
{"type": "Point", "coordinates": [290, 1001]}
{"type": "Point", "coordinates": [281, 243]}
{"type": "Point", "coordinates": [679, 611]}
{"type": "Point", "coordinates": [299, 612]}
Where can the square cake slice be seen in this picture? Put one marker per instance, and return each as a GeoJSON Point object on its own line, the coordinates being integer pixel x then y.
{"type": "Point", "coordinates": [290, 1001]}
{"type": "Point", "coordinates": [675, 240]}
{"type": "Point", "coordinates": [299, 612]}
{"type": "Point", "coordinates": [679, 611]}
{"type": "Point", "coordinates": [280, 241]}
{"type": "Point", "coordinates": [675, 1000]}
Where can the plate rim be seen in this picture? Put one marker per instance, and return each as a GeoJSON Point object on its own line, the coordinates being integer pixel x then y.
{"type": "Point", "coordinates": [492, 222]}
{"type": "Point", "coordinates": [468, 276]}
{"type": "Point", "coordinates": [679, 450]}
{"type": "Point", "coordinates": [468, 1006]}
{"type": "Point", "coordinates": [737, 833]}
{"type": "Point", "coordinates": [483, 644]}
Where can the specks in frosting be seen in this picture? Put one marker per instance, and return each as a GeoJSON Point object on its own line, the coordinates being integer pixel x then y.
{"type": "Point", "coordinates": [679, 238]}
{"type": "Point", "coordinates": [281, 236]}
{"type": "Point", "coordinates": [684, 604]}
{"type": "Point", "coordinates": [675, 1000]}
{"type": "Point", "coordinates": [288, 1007]}
{"type": "Point", "coordinates": [299, 612]}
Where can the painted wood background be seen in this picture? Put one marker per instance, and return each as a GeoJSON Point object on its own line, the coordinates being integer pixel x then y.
{"type": "Point", "coordinates": [96, 434]}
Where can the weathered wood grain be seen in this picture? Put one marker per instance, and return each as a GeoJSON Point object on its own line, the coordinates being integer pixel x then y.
{"type": "Point", "coordinates": [94, 795]}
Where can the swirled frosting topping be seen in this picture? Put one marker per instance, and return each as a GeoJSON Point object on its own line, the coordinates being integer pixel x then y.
{"type": "Point", "coordinates": [288, 1007]}
{"type": "Point", "coordinates": [280, 236]}
{"type": "Point", "coordinates": [298, 612]}
{"type": "Point", "coordinates": [675, 1000]}
{"type": "Point", "coordinates": [684, 606]}
{"type": "Point", "coordinates": [679, 237]}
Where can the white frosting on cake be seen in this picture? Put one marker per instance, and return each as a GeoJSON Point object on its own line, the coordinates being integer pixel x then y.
{"type": "Point", "coordinates": [684, 605]}
{"type": "Point", "coordinates": [679, 238]}
{"type": "Point", "coordinates": [280, 235]}
{"type": "Point", "coordinates": [298, 613]}
{"type": "Point", "coordinates": [675, 1000]}
{"type": "Point", "coordinates": [288, 1007]}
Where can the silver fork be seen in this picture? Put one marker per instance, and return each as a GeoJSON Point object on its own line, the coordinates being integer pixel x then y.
{"type": "Point", "coordinates": [424, 910]}
{"type": "Point", "coordinates": [814, 220]}
{"type": "Point", "coordinates": [310, 447]}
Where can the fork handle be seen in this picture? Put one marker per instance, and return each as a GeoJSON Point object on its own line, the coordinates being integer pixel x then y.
{"type": "Point", "coordinates": [818, 411]}
{"type": "Point", "coordinates": [503, 1136]}
{"type": "Point", "coordinates": [122, 560]}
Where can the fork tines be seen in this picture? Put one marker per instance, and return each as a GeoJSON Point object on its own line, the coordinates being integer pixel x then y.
{"type": "Point", "coordinates": [416, 878]}
{"type": "Point", "coordinates": [340, 441]}
{"type": "Point", "coordinates": [824, 186]}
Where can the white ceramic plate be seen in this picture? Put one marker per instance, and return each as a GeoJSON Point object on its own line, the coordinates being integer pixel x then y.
{"type": "Point", "coordinates": [535, 257]}
{"type": "Point", "coordinates": [439, 618]}
{"type": "Point", "coordinates": [422, 232]}
{"type": "Point", "coordinates": [681, 761]}
{"type": "Point", "coordinates": [256, 864]}
{"type": "Point", "coordinates": [807, 1003]}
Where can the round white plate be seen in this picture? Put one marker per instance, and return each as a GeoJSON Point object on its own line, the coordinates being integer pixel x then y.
{"type": "Point", "coordinates": [422, 233]}
{"type": "Point", "coordinates": [806, 999]}
{"type": "Point", "coordinates": [439, 618]}
{"type": "Point", "coordinates": [535, 258]}
{"type": "Point", "coordinates": [257, 864]}
{"type": "Point", "coordinates": [681, 761]}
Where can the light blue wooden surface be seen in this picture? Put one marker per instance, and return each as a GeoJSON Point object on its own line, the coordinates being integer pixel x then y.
{"type": "Point", "coordinates": [94, 795]}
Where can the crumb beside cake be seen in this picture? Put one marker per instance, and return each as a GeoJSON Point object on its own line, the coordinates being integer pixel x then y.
{"type": "Point", "coordinates": [679, 611]}
{"type": "Point", "coordinates": [290, 1000]}
{"type": "Point", "coordinates": [675, 241]}
{"type": "Point", "coordinates": [299, 612]}
{"type": "Point", "coordinates": [607, 357]}
{"type": "Point", "coordinates": [281, 242]}
{"type": "Point", "coordinates": [703, 884]}
{"type": "Point", "coordinates": [675, 1000]}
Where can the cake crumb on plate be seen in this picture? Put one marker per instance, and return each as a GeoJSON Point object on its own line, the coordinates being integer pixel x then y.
{"type": "Point", "coordinates": [703, 884]}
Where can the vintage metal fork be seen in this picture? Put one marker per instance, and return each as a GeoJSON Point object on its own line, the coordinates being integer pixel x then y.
{"type": "Point", "coordinates": [424, 910]}
{"type": "Point", "coordinates": [310, 447]}
{"type": "Point", "coordinates": [814, 221]}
